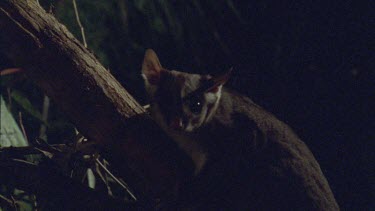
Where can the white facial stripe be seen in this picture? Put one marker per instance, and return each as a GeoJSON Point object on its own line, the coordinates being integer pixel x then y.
{"type": "Point", "coordinates": [189, 127]}
{"type": "Point", "coordinates": [212, 98]}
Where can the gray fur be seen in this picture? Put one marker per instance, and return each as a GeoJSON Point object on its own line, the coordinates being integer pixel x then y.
{"type": "Point", "coordinates": [245, 157]}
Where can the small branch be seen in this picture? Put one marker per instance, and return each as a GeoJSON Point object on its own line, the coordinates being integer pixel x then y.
{"type": "Point", "coordinates": [116, 179]}
{"type": "Point", "coordinates": [34, 202]}
{"type": "Point", "coordinates": [21, 125]}
{"type": "Point", "coordinates": [11, 203]}
{"type": "Point", "coordinates": [79, 23]}
{"type": "Point", "coordinates": [14, 203]}
{"type": "Point", "coordinates": [104, 179]}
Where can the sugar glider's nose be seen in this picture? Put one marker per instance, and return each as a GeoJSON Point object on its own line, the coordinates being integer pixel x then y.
{"type": "Point", "coordinates": [178, 123]}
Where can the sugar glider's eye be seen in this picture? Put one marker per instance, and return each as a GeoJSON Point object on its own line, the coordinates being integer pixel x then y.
{"type": "Point", "coordinates": [195, 105]}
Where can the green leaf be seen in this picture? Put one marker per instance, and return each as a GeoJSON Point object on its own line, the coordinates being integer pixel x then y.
{"type": "Point", "coordinates": [25, 103]}
{"type": "Point", "coordinates": [10, 133]}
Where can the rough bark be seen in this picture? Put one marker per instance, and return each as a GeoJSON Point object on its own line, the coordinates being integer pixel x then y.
{"type": "Point", "coordinates": [92, 98]}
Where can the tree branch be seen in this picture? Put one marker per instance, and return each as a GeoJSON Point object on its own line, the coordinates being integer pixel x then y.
{"type": "Point", "coordinates": [92, 98]}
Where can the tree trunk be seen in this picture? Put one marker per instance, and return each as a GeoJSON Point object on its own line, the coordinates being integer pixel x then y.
{"type": "Point", "coordinates": [92, 98]}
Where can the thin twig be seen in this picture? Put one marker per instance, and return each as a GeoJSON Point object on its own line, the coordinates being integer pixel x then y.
{"type": "Point", "coordinates": [105, 163]}
{"type": "Point", "coordinates": [21, 125]}
{"type": "Point", "coordinates": [79, 23]}
{"type": "Point", "coordinates": [14, 202]}
{"type": "Point", "coordinates": [35, 202]}
{"type": "Point", "coordinates": [9, 202]}
{"type": "Point", "coordinates": [104, 179]}
{"type": "Point", "coordinates": [117, 180]}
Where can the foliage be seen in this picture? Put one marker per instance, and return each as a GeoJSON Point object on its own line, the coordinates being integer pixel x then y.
{"type": "Point", "coordinates": [25, 103]}
{"type": "Point", "coordinates": [10, 133]}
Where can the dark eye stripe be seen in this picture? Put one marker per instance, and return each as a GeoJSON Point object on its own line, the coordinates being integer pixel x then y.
{"type": "Point", "coordinates": [195, 104]}
{"type": "Point", "coordinates": [168, 97]}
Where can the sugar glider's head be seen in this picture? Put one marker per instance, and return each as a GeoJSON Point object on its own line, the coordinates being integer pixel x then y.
{"type": "Point", "coordinates": [180, 101]}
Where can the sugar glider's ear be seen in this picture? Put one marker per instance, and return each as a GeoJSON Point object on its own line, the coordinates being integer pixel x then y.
{"type": "Point", "coordinates": [151, 68]}
{"type": "Point", "coordinates": [218, 81]}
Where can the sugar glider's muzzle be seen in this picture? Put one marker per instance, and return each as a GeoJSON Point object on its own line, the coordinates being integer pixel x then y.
{"type": "Point", "coordinates": [178, 123]}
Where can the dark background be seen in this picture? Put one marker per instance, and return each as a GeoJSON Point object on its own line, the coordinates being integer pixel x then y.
{"type": "Point", "coordinates": [311, 63]}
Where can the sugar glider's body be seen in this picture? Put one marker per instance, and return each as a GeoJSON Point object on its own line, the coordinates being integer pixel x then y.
{"type": "Point", "coordinates": [245, 158]}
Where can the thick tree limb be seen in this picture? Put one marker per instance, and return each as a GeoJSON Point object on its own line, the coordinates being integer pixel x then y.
{"type": "Point", "coordinates": [94, 101]}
